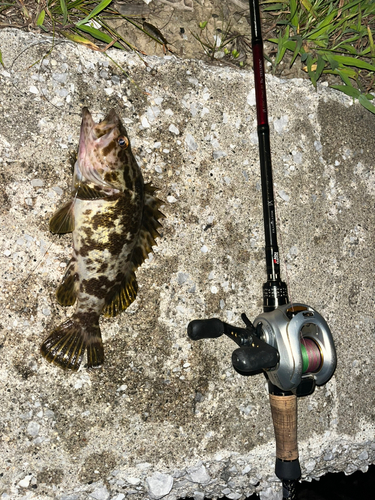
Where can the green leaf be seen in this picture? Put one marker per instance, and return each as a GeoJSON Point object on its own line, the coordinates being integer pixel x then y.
{"type": "Point", "coordinates": [345, 74]}
{"type": "Point", "coordinates": [203, 24]}
{"type": "Point", "coordinates": [348, 90]}
{"type": "Point", "coordinates": [364, 52]}
{"type": "Point", "coordinates": [282, 46]}
{"type": "Point", "coordinates": [319, 69]}
{"type": "Point", "coordinates": [365, 103]}
{"type": "Point", "coordinates": [359, 17]}
{"type": "Point", "coordinates": [80, 39]}
{"type": "Point", "coordinates": [297, 49]}
{"type": "Point", "coordinates": [103, 4]}
{"type": "Point", "coordinates": [332, 61]}
{"type": "Point", "coordinates": [309, 62]}
{"type": "Point", "coordinates": [350, 6]}
{"type": "Point", "coordinates": [323, 42]}
{"type": "Point", "coordinates": [352, 61]}
{"type": "Point", "coordinates": [40, 20]}
{"type": "Point", "coordinates": [1, 60]}
{"type": "Point", "coordinates": [274, 7]}
{"type": "Point", "coordinates": [76, 4]}
{"type": "Point", "coordinates": [308, 7]}
{"type": "Point", "coordinates": [99, 35]}
{"type": "Point", "coordinates": [64, 10]}
{"type": "Point", "coordinates": [347, 47]}
{"type": "Point", "coordinates": [322, 28]}
{"type": "Point", "coordinates": [293, 13]}
{"type": "Point", "coordinates": [371, 41]}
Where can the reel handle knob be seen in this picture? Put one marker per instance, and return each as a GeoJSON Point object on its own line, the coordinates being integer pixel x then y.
{"type": "Point", "coordinates": [205, 329]}
{"type": "Point", "coordinates": [259, 356]}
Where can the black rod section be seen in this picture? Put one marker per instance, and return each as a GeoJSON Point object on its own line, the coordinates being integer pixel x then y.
{"type": "Point", "coordinates": [275, 292]}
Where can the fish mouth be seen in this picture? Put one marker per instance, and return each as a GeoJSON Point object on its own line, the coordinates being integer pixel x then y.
{"type": "Point", "coordinates": [94, 136]}
{"type": "Point", "coordinates": [93, 130]}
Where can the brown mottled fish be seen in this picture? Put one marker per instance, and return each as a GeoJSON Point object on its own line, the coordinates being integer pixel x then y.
{"type": "Point", "coordinates": [114, 220]}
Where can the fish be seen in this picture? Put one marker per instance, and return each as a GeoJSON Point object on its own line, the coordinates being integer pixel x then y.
{"type": "Point", "coordinates": [114, 220]}
{"type": "Point", "coordinates": [152, 30]}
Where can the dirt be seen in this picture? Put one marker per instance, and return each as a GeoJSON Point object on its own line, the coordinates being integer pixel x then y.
{"type": "Point", "coordinates": [210, 30]}
{"type": "Point", "coordinates": [224, 39]}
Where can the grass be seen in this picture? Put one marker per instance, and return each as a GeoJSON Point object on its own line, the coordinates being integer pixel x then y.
{"type": "Point", "coordinates": [74, 20]}
{"type": "Point", "coordinates": [222, 38]}
{"type": "Point", "coordinates": [335, 38]}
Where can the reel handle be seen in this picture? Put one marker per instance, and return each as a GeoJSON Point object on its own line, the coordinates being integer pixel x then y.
{"type": "Point", "coordinates": [253, 353]}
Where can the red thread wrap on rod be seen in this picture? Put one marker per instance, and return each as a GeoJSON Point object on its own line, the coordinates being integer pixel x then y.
{"type": "Point", "coordinates": [260, 84]}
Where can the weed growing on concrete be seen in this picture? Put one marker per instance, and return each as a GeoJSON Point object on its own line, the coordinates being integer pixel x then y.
{"type": "Point", "coordinates": [77, 20]}
{"type": "Point", "coordinates": [212, 45]}
{"type": "Point", "coordinates": [335, 37]}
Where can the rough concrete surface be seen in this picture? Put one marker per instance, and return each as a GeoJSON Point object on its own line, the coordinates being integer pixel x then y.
{"type": "Point", "coordinates": [165, 418]}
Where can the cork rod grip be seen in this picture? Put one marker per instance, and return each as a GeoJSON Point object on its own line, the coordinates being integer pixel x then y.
{"type": "Point", "coordinates": [284, 416]}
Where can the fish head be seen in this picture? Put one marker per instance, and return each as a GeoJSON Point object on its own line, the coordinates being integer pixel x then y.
{"type": "Point", "coordinates": [104, 158]}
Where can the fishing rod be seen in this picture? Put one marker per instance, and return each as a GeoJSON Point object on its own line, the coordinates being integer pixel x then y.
{"type": "Point", "coordinates": [290, 342]}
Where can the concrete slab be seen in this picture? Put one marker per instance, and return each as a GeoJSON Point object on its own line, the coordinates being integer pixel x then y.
{"type": "Point", "coordinates": [165, 418]}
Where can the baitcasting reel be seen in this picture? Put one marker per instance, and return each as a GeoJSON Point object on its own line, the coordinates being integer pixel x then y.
{"type": "Point", "coordinates": [292, 344]}
{"type": "Point", "coordinates": [305, 346]}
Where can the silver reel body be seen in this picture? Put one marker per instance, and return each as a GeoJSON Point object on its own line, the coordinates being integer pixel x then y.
{"type": "Point", "coordinates": [284, 329]}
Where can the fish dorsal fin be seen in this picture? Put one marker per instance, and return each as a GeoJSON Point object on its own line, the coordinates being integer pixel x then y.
{"type": "Point", "coordinates": [62, 220]}
{"type": "Point", "coordinates": [125, 294]}
{"type": "Point", "coordinates": [150, 224]}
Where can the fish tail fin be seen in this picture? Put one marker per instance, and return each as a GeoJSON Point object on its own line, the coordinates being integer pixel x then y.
{"type": "Point", "coordinates": [67, 343]}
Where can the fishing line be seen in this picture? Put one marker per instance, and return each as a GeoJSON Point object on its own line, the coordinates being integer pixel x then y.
{"type": "Point", "coordinates": [40, 61]}
{"type": "Point", "coordinates": [287, 280]}
{"type": "Point", "coordinates": [50, 245]}
{"type": "Point", "coordinates": [312, 358]}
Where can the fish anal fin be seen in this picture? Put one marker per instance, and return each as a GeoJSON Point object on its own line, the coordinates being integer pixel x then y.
{"type": "Point", "coordinates": [121, 297]}
{"type": "Point", "coordinates": [67, 292]}
{"type": "Point", "coordinates": [66, 345]}
{"type": "Point", "coordinates": [62, 220]}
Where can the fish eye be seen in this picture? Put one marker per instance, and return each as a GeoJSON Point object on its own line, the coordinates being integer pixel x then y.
{"type": "Point", "coordinates": [123, 142]}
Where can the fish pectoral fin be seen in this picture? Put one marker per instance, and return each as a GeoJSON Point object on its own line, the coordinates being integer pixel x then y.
{"type": "Point", "coordinates": [63, 220]}
{"type": "Point", "coordinates": [66, 345]}
{"type": "Point", "coordinates": [67, 292]}
{"type": "Point", "coordinates": [121, 297]}
{"type": "Point", "coordinates": [85, 192]}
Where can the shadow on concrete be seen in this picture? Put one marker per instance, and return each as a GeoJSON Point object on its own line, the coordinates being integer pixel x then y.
{"type": "Point", "coordinates": [334, 487]}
